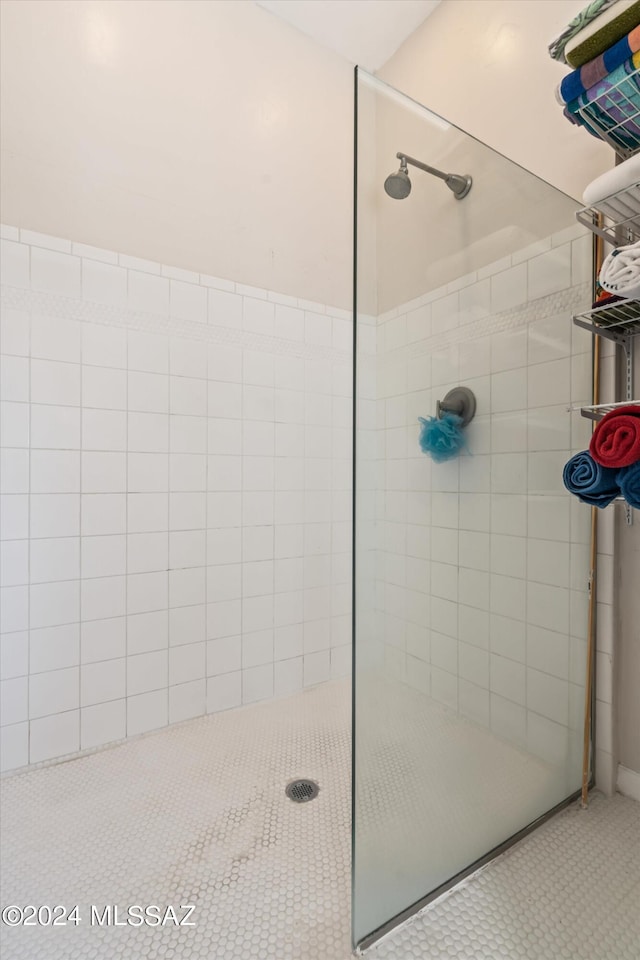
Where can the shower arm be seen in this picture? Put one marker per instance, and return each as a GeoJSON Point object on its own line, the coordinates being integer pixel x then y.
{"type": "Point", "coordinates": [422, 166]}
{"type": "Point", "coordinates": [459, 184]}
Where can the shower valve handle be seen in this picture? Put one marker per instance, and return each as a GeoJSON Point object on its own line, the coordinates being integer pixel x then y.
{"type": "Point", "coordinates": [460, 401]}
{"type": "Point", "coordinates": [442, 406]}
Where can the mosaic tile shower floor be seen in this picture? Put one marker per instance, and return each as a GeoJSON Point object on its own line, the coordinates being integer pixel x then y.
{"type": "Point", "coordinates": [193, 814]}
{"type": "Point", "coordinates": [197, 814]}
{"type": "Point", "coordinates": [569, 891]}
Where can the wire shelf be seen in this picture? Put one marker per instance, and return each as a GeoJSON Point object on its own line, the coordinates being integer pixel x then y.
{"type": "Point", "coordinates": [597, 411]}
{"type": "Point", "coordinates": [619, 319]}
{"type": "Point", "coordinates": [622, 212]}
{"type": "Point", "coordinates": [614, 115]}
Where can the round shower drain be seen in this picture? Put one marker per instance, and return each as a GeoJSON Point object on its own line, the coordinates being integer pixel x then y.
{"type": "Point", "coordinates": [300, 791]}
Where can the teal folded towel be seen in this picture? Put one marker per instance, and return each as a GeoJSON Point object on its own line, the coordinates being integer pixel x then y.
{"type": "Point", "coordinates": [590, 482]}
{"type": "Point", "coordinates": [629, 480]}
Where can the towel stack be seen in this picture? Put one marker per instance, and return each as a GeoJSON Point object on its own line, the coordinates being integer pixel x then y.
{"type": "Point", "coordinates": [611, 465]}
{"type": "Point", "coordinates": [602, 93]}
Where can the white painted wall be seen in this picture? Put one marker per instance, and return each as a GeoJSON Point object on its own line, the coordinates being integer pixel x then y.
{"type": "Point", "coordinates": [484, 65]}
{"type": "Point", "coordinates": [212, 136]}
{"type": "Point", "coordinates": [216, 137]}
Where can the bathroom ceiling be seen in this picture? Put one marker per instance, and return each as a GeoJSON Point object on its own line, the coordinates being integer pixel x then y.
{"type": "Point", "coordinates": [366, 32]}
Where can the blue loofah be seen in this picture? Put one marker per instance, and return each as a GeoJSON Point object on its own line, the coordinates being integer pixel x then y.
{"type": "Point", "coordinates": [442, 439]}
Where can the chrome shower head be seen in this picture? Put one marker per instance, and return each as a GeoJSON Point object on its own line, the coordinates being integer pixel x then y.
{"type": "Point", "coordinates": [398, 185]}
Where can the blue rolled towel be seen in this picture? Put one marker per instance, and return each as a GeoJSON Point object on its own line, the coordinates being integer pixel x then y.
{"type": "Point", "coordinates": [589, 481]}
{"type": "Point", "coordinates": [629, 480]}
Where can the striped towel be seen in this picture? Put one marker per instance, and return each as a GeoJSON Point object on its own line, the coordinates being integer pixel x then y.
{"type": "Point", "coordinates": [579, 81]}
{"type": "Point", "coordinates": [590, 12]}
{"type": "Point", "coordinates": [613, 105]}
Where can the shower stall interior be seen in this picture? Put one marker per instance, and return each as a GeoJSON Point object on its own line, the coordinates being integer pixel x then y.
{"type": "Point", "coordinates": [471, 575]}
{"type": "Point", "coordinates": [177, 521]}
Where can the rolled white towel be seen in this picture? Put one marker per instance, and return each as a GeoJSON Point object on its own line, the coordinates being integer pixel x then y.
{"type": "Point", "coordinates": [619, 178]}
{"type": "Point", "coordinates": [616, 194]}
{"type": "Point", "coordinates": [620, 272]}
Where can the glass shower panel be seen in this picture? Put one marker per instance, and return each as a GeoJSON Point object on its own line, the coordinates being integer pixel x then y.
{"type": "Point", "coordinates": [471, 575]}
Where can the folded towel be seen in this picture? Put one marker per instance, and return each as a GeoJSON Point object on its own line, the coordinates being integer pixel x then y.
{"type": "Point", "coordinates": [605, 299]}
{"type": "Point", "coordinates": [612, 106]}
{"type": "Point", "coordinates": [579, 22]}
{"type": "Point", "coordinates": [620, 272]}
{"type": "Point", "coordinates": [613, 181]}
{"type": "Point", "coordinates": [580, 121]}
{"type": "Point", "coordinates": [616, 439]}
{"type": "Point", "coordinates": [612, 24]}
{"type": "Point", "coordinates": [591, 73]}
{"type": "Point", "coordinates": [589, 481]}
{"type": "Point", "coordinates": [629, 481]}
{"type": "Point", "coordinates": [625, 74]}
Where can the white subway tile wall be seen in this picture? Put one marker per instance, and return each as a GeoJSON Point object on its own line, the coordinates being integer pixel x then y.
{"type": "Point", "coordinates": [175, 495]}
{"type": "Point", "coordinates": [481, 570]}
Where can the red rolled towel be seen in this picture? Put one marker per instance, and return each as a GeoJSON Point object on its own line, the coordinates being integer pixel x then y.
{"type": "Point", "coordinates": [616, 439]}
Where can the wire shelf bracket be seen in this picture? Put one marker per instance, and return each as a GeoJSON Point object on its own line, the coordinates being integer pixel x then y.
{"type": "Point", "coordinates": [598, 410]}
{"type": "Point", "coordinates": [620, 323]}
